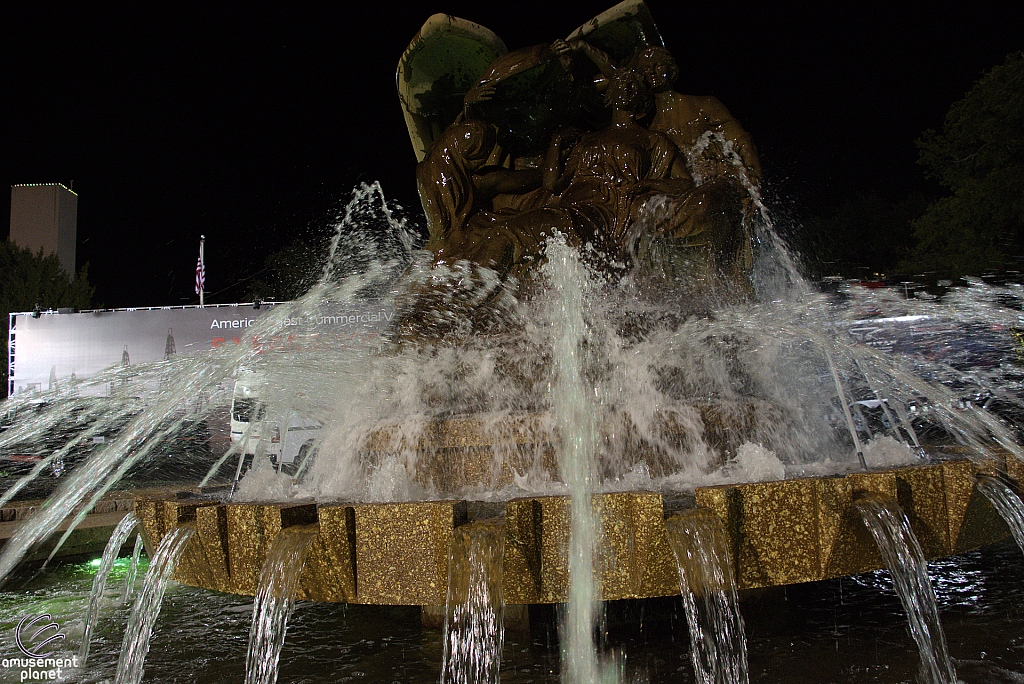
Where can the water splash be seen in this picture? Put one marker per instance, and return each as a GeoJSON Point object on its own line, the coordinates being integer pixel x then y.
{"type": "Point", "coordinates": [102, 417]}
{"type": "Point", "coordinates": [674, 390]}
{"type": "Point", "coordinates": [474, 626]}
{"type": "Point", "coordinates": [718, 645]}
{"type": "Point", "coordinates": [99, 583]}
{"type": "Point", "coordinates": [133, 570]}
{"type": "Point", "coordinates": [274, 601]}
{"type": "Point", "coordinates": [1007, 503]}
{"type": "Point", "coordinates": [902, 555]}
{"type": "Point", "coordinates": [146, 608]}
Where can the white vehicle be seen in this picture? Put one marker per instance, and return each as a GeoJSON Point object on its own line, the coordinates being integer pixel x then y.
{"type": "Point", "coordinates": [288, 449]}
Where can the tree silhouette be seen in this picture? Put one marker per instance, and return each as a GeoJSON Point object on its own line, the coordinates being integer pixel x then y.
{"type": "Point", "coordinates": [979, 156]}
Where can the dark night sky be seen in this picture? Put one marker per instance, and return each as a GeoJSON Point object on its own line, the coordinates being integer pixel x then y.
{"type": "Point", "coordinates": [247, 122]}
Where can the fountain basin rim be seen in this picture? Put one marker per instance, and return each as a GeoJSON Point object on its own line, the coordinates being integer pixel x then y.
{"type": "Point", "coordinates": [781, 532]}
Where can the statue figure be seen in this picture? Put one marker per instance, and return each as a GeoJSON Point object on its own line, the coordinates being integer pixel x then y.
{"type": "Point", "coordinates": [691, 120]}
{"type": "Point", "coordinates": [479, 206]}
{"type": "Point", "coordinates": [601, 179]}
{"type": "Point", "coordinates": [458, 181]}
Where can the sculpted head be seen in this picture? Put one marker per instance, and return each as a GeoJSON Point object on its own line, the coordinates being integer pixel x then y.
{"type": "Point", "coordinates": [657, 67]}
{"type": "Point", "coordinates": [474, 140]}
{"type": "Point", "coordinates": [627, 91]}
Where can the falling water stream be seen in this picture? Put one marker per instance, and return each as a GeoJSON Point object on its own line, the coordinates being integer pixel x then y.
{"type": "Point", "coordinates": [275, 600]}
{"type": "Point", "coordinates": [718, 645]}
{"type": "Point", "coordinates": [1007, 503]}
{"type": "Point", "coordinates": [474, 630]}
{"type": "Point", "coordinates": [146, 609]}
{"type": "Point", "coordinates": [133, 569]}
{"type": "Point", "coordinates": [902, 555]}
{"type": "Point", "coordinates": [117, 539]}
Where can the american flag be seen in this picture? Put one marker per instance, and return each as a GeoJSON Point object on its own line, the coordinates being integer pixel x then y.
{"type": "Point", "coordinates": [200, 275]}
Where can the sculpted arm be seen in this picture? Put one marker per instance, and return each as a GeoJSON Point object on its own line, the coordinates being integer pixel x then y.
{"type": "Point", "coordinates": [600, 59]}
{"type": "Point", "coordinates": [497, 180]}
{"type": "Point", "coordinates": [676, 181]}
{"type": "Point", "coordinates": [554, 174]}
{"type": "Point", "coordinates": [730, 128]}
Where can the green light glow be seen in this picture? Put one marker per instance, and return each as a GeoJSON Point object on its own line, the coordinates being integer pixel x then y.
{"type": "Point", "coordinates": [96, 563]}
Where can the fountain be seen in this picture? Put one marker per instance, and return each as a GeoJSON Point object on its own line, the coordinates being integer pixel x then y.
{"type": "Point", "coordinates": [604, 362]}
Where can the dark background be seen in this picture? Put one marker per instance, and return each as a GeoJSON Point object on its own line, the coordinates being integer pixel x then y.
{"type": "Point", "coordinates": [252, 122]}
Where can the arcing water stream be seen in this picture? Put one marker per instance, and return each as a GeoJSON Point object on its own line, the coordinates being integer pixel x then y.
{"type": "Point", "coordinates": [718, 644]}
{"type": "Point", "coordinates": [110, 553]}
{"type": "Point", "coordinates": [146, 609]}
{"type": "Point", "coordinates": [1007, 503]}
{"type": "Point", "coordinates": [133, 568]}
{"type": "Point", "coordinates": [903, 556]}
{"type": "Point", "coordinates": [275, 599]}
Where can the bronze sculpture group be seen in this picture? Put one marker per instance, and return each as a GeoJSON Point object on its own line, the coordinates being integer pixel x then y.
{"type": "Point", "coordinates": [632, 170]}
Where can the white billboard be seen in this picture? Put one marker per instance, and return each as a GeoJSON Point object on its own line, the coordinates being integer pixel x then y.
{"type": "Point", "coordinates": [46, 348]}
{"type": "Point", "coordinates": [50, 347]}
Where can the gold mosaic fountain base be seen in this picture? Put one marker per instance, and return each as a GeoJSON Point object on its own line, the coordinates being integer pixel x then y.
{"type": "Point", "coordinates": [783, 532]}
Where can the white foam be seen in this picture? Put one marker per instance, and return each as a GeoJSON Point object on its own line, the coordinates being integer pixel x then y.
{"type": "Point", "coordinates": [264, 483]}
{"type": "Point", "coordinates": [884, 451]}
{"type": "Point", "coordinates": [754, 463]}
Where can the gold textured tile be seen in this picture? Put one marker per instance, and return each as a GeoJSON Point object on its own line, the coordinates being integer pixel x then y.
{"type": "Point", "coordinates": [958, 482]}
{"type": "Point", "coordinates": [521, 567]}
{"type": "Point", "coordinates": [881, 482]}
{"type": "Point", "coordinates": [150, 513]}
{"type": "Point", "coordinates": [555, 520]}
{"type": "Point", "coordinates": [978, 523]}
{"type": "Point", "coordinates": [1015, 469]}
{"type": "Point", "coordinates": [250, 529]}
{"type": "Point", "coordinates": [191, 568]}
{"type": "Point", "coordinates": [921, 493]}
{"type": "Point", "coordinates": [715, 499]}
{"type": "Point", "coordinates": [614, 560]}
{"type": "Point", "coordinates": [835, 497]}
{"type": "Point", "coordinates": [212, 533]}
{"type": "Point", "coordinates": [330, 570]}
{"type": "Point", "coordinates": [245, 546]}
{"type": "Point", "coordinates": [655, 568]}
{"type": "Point", "coordinates": [402, 551]}
{"type": "Point", "coordinates": [780, 533]}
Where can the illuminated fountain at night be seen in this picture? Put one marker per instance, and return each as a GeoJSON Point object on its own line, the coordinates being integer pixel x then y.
{"type": "Point", "coordinates": [603, 381]}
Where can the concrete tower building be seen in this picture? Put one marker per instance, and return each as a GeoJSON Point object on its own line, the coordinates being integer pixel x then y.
{"type": "Point", "coordinates": [45, 216]}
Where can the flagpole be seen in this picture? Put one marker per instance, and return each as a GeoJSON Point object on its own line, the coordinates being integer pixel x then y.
{"type": "Point", "coordinates": [202, 260]}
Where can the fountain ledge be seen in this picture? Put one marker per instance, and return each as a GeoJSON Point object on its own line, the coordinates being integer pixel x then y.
{"type": "Point", "coordinates": [781, 532]}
